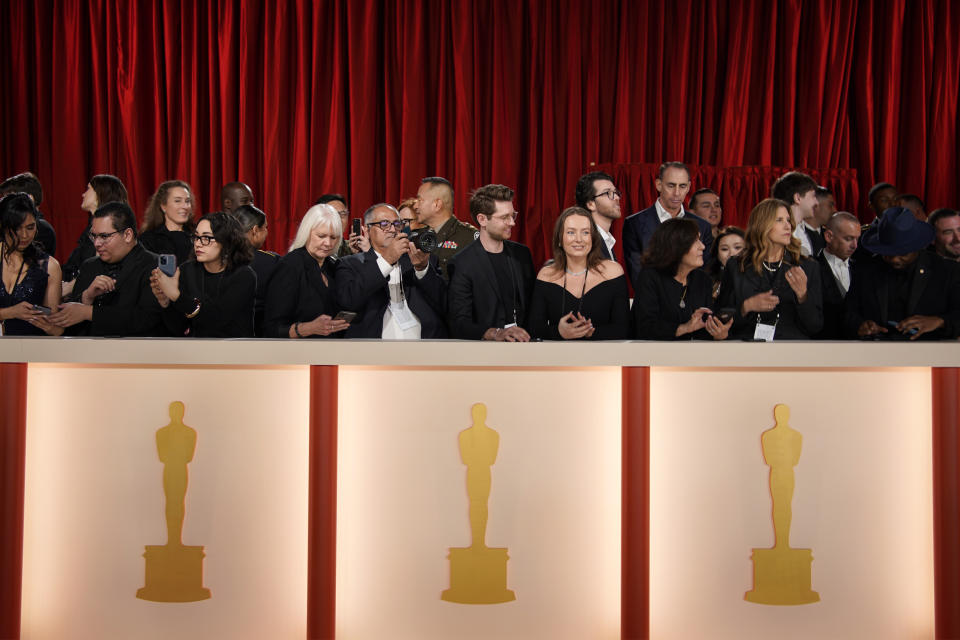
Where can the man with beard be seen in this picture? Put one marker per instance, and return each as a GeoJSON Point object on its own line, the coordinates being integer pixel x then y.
{"type": "Point", "coordinates": [492, 279]}
{"type": "Point", "coordinates": [597, 193]}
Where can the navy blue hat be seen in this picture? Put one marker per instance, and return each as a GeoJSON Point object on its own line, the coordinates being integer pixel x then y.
{"type": "Point", "coordinates": [896, 233]}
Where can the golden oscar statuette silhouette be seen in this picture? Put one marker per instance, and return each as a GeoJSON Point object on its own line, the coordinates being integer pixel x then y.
{"type": "Point", "coordinates": [478, 573]}
{"type": "Point", "coordinates": [781, 575]}
{"type": "Point", "coordinates": [174, 571]}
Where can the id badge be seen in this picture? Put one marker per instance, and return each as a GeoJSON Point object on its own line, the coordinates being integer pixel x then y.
{"type": "Point", "coordinates": [764, 332]}
{"type": "Point", "coordinates": [402, 314]}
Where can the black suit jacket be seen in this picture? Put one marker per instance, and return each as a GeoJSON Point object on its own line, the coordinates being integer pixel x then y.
{"type": "Point", "coordinates": [833, 301]}
{"type": "Point", "coordinates": [638, 229]}
{"type": "Point", "coordinates": [297, 293]}
{"type": "Point", "coordinates": [816, 241]}
{"type": "Point", "coordinates": [362, 288]}
{"type": "Point", "coordinates": [796, 321]}
{"type": "Point", "coordinates": [130, 309]}
{"type": "Point", "coordinates": [934, 291]}
{"type": "Point", "coordinates": [476, 303]}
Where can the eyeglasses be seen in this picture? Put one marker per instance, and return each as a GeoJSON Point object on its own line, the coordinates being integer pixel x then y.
{"type": "Point", "coordinates": [504, 217]}
{"type": "Point", "coordinates": [613, 194]}
{"type": "Point", "coordinates": [386, 224]}
{"type": "Point", "coordinates": [204, 240]}
{"type": "Point", "coordinates": [102, 237]}
{"type": "Point", "coordinates": [345, 213]}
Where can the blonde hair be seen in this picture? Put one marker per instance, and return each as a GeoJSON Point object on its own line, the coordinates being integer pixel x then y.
{"type": "Point", "coordinates": [316, 216]}
{"type": "Point", "coordinates": [757, 243]}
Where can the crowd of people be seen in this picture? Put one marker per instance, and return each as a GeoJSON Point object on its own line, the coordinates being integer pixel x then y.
{"type": "Point", "coordinates": [800, 270]}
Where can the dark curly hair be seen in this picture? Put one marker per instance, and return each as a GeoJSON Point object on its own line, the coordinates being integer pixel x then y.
{"type": "Point", "coordinates": [669, 243]}
{"type": "Point", "coordinates": [235, 249]}
{"type": "Point", "coordinates": [14, 209]}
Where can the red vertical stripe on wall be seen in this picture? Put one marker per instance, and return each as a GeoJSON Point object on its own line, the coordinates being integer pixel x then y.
{"type": "Point", "coordinates": [946, 501]}
{"type": "Point", "coordinates": [635, 542]}
{"type": "Point", "coordinates": [13, 419]}
{"type": "Point", "coordinates": [322, 538]}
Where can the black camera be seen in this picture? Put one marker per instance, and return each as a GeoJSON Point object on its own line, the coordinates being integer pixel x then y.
{"type": "Point", "coordinates": [424, 239]}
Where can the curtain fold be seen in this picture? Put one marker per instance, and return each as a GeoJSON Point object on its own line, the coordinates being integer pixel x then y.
{"type": "Point", "coordinates": [366, 97]}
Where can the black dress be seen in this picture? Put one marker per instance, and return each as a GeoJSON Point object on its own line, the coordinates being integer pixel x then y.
{"type": "Point", "coordinates": [605, 305]}
{"type": "Point", "coordinates": [297, 293]}
{"type": "Point", "coordinates": [32, 289]}
{"type": "Point", "coordinates": [161, 240]}
{"type": "Point", "coordinates": [794, 321]}
{"type": "Point", "coordinates": [656, 304]}
{"type": "Point", "coordinates": [225, 303]}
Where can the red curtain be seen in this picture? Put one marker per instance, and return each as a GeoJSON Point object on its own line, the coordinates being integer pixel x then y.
{"type": "Point", "coordinates": [366, 97]}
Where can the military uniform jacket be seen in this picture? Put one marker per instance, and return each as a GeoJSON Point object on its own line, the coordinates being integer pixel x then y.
{"type": "Point", "coordinates": [452, 236]}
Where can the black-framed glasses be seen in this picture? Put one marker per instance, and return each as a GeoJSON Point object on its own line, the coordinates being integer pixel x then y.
{"type": "Point", "coordinates": [613, 194]}
{"type": "Point", "coordinates": [102, 237]}
{"type": "Point", "coordinates": [386, 224]}
{"type": "Point", "coordinates": [203, 240]}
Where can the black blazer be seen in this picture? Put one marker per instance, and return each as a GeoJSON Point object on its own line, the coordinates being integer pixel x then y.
{"type": "Point", "coordinates": [162, 240]}
{"type": "Point", "coordinates": [833, 301]}
{"type": "Point", "coordinates": [297, 293]}
{"type": "Point", "coordinates": [362, 288]}
{"type": "Point", "coordinates": [816, 240]}
{"type": "Point", "coordinates": [130, 309]}
{"type": "Point", "coordinates": [934, 291]}
{"type": "Point", "coordinates": [476, 303]}
{"type": "Point", "coordinates": [638, 229]}
{"type": "Point", "coordinates": [796, 322]}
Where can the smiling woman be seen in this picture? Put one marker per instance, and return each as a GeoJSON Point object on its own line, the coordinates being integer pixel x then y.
{"type": "Point", "coordinates": [168, 220]}
{"type": "Point", "coordinates": [579, 294]}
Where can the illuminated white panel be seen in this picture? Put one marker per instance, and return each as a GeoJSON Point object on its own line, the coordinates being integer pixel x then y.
{"type": "Point", "coordinates": [94, 499]}
{"type": "Point", "coordinates": [554, 502]}
{"type": "Point", "coordinates": [862, 503]}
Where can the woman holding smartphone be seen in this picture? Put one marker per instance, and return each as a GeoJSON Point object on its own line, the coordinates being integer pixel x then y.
{"type": "Point", "coordinates": [31, 278]}
{"type": "Point", "coordinates": [212, 295]}
{"type": "Point", "coordinates": [673, 294]}
{"type": "Point", "coordinates": [301, 301]}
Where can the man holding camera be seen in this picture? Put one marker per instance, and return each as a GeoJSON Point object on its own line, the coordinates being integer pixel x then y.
{"type": "Point", "coordinates": [395, 289]}
{"type": "Point", "coordinates": [435, 210]}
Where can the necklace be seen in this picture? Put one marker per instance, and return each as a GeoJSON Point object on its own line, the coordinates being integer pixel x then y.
{"type": "Point", "coordinates": [683, 297]}
{"type": "Point", "coordinates": [575, 273]}
{"type": "Point", "coordinates": [773, 269]}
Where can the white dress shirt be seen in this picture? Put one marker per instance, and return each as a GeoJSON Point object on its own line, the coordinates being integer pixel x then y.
{"type": "Point", "coordinates": [840, 269]}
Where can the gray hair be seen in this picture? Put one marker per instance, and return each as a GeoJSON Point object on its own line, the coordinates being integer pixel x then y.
{"type": "Point", "coordinates": [319, 215]}
{"type": "Point", "coordinates": [368, 214]}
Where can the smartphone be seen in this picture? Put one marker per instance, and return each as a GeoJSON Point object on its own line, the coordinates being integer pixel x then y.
{"type": "Point", "coordinates": [346, 316]}
{"type": "Point", "coordinates": [725, 314]}
{"type": "Point", "coordinates": [42, 309]}
{"type": "Point", "coordinates": [167, 263]}
{"type": "Point", "coordinates": [356, 227]}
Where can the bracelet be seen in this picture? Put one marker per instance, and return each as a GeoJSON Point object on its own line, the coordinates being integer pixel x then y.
{"type": "Point", "coordinates": [296, 329]}
{"type": "Point", "coordinates": [193, 314]}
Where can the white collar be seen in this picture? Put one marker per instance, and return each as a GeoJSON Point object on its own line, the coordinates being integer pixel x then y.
{"type": "Point", "coordinates": [663, 214]}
